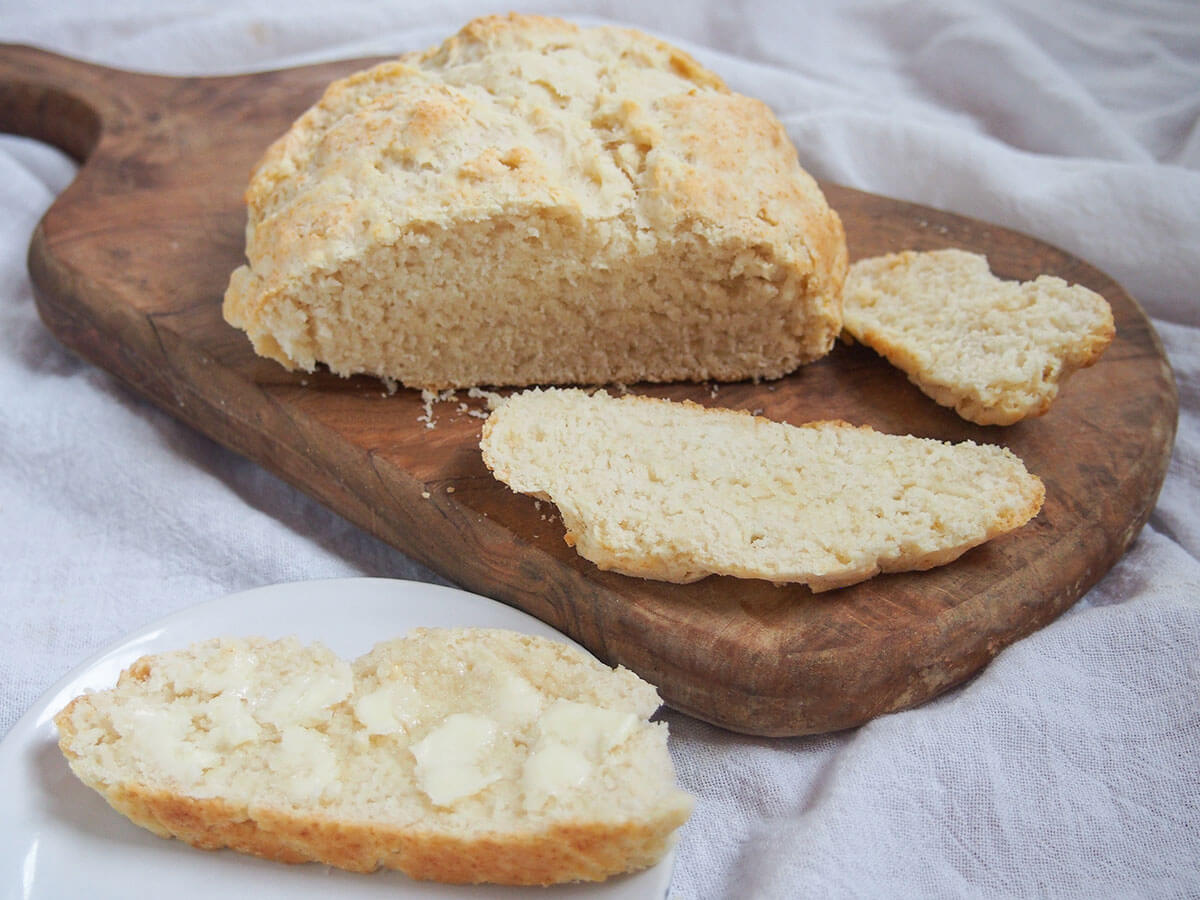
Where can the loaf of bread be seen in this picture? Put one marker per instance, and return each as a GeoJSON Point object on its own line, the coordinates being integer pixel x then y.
{"type": "Point", "coordinates": [996, 351]}
{"type": "Point", "coordinates": [676, 492]}
{"type": "Point", "coordinates": [457, 755]}
{"type": "Point", "coordinates": [530, 203]}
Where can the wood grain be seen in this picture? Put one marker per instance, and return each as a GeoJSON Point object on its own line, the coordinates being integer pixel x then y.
{"type": "Point", "coordinates": [129, 267]}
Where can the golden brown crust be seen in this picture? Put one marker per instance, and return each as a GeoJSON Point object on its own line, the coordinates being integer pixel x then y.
{"type": "Point", "coordinates": [560, 853]}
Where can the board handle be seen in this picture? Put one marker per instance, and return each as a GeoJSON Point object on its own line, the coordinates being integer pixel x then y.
{"type": "Point", "coordinates": [61, 101]}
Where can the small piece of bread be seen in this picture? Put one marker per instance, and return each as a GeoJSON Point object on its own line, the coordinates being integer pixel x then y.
{"type": "Point", "coordinates": [456, 755]}
{"type": "Point", "coordinates": [531, 203]}
{"type": "Point", "coordinates": [996, 351]}
{"type": "Point", "coordinates": [675, 491]}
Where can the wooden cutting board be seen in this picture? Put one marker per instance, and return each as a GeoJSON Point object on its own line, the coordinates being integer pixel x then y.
{"type": "Point", "coordinates": [129, 268]}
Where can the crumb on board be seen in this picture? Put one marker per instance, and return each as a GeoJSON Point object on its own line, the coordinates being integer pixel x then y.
{"type": "Point", "coordinates": [430, 398]}
{"type": "Point", "coordinates": [493, 399]}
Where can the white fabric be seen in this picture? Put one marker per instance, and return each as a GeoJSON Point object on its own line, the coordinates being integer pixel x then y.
{"type": "Point", "coordinates": [1069, 768]}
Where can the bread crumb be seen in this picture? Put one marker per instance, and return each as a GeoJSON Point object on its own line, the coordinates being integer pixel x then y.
{"type": "Point", "coordinates": [428, 398]}
{"type": "Point", "coordinates": [424, 495]}
{"type": "Point", "coordinates": [493, 399]}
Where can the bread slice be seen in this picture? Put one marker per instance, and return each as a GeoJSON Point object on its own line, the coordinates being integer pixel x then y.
{"type": "Point", "coordinates": [532, 202]}
{"type": "Point", "coordinates": [456, 755]}
{"type": "Point", "coordinates": [675, 491]}
{"type": "Point", "coordinates": [996, 351]}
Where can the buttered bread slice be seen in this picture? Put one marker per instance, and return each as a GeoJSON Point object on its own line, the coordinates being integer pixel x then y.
{"type": "Point", "coordinates": [996, 351]}
{"type": "Point", "coordinates": [676, 492]}
{"type": "Point", "coordinates": [532, 202]}
{"type": "Point", "coordinates": [456, 755]}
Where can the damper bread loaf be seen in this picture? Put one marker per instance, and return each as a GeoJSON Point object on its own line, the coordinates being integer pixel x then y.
{"type": "Point", "coordinates": [457, 755]}
{"type": "Point", "coordinates": [676, 492]}
{"type": "Point", "coordinates": [996, 351]}
{"type": "Point", "coordinates": [531, 203]}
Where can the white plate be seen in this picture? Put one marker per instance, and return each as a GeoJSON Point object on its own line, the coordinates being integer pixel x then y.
{"type": "Point", "coordinates": [60, 839]}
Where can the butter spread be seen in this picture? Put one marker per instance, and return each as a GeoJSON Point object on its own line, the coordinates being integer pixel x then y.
{"type": "Point", "coordinates": [574, 739]}
{"type": "Point", "coordinates": [516, 701]}
{"type": "Point", "coordinates": [231, 722]}
{"type": "Point", "coordinates": [226, 671]}
{"type": "Point", "coordinates": [592, 729]}
{"type": "Point", "coordinates": [394, 707]}
{"type": "Point", "coordinates": [306, 761]}
{"type": "Point", "coordinates": [303, 698]}
{"type": "Point", "coordinates": [553, 770]}
{"type": "Point", "coordinates": [453, 759]}
{"type": "Point", "coordinates": [160, 737]}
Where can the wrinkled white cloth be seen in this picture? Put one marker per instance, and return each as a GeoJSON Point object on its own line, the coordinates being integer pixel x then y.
{"type": "Point", "coordinates": [1069, 768]}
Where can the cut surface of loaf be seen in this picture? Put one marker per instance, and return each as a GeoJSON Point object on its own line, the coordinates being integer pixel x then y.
{"type": "Point", "coordinates": [996, 351]}
{"type": "Point", "coordinates": [676, 492]}
{"type": "Point", "coordinates": [532, 202]}
{"type": "Point", "coordinates": [457, 755]}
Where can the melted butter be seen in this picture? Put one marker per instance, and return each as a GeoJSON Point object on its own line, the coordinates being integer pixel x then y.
{"type": "Point", "coordinates": [452, 760]}
{"type": "Point", "coordinates": [160, 738]}
{"type": "Point", "coordinates": [516, 701]}
{"type": "Point", "coordinates": [305, 698]}
{"type": "Point", "coordinates": [390, 709]}
{"type": "Point", "coordinates": [306, 761]}
{"type": "Point", "coordinates": [574, 739]}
